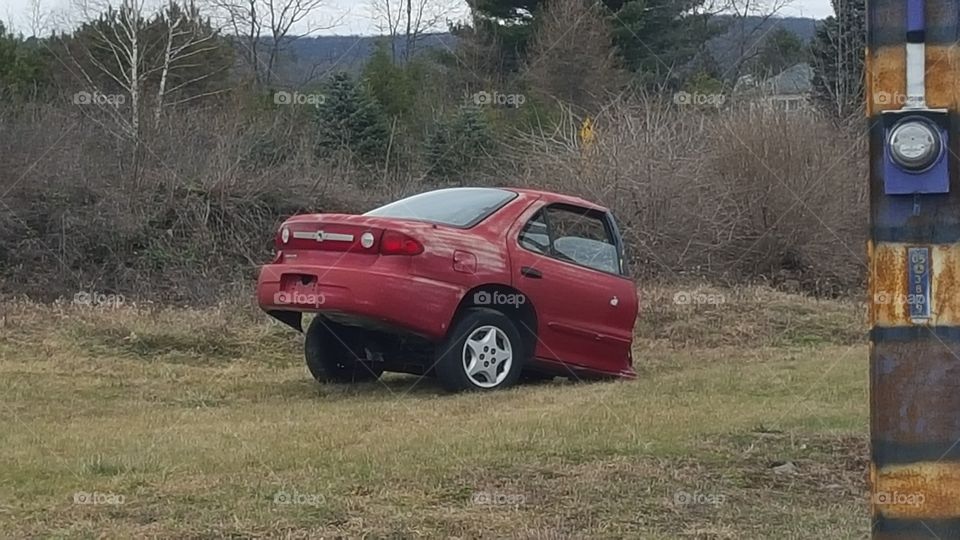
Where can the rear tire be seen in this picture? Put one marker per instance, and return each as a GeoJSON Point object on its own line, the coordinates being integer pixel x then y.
{"type": "Point", "coordinates": [483, 351]}
{"type": "Point", "coordinates": [339, 354]}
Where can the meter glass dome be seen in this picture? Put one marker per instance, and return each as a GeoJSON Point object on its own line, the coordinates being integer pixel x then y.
{"type": "Point", "coordinates": [914, 144]}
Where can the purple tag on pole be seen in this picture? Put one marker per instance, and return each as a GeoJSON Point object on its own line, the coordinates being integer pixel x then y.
{"type": "Point", "coordinates": [915, 18]}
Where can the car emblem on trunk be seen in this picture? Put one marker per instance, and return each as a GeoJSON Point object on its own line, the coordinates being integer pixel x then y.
{"type": "Point", "coordinates": [320, 236]}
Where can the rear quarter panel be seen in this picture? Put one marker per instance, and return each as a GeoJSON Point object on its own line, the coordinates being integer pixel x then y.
{"type": "Point", "coordinates": [468, 258]}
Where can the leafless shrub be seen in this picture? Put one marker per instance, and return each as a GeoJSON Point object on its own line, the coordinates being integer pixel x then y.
{"type": "Point", "coordinates": [723, 195]}
{"type": "Point", "coordinates": [571, 57]}
{"type": "Point", "coordinates": [732, 194]}
{"type": "Point", "coordinates": [196, 220]}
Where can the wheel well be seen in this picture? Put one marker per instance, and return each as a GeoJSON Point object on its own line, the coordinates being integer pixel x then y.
{"type": "Point", "coordinates": [517, 307]}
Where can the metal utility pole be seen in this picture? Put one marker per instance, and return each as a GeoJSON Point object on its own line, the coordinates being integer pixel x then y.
{"type": "Point", "coordinates": [913, 92]}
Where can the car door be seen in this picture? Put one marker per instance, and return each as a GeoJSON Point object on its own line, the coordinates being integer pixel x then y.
{"type": "Point", "coordinates": [567, 261]}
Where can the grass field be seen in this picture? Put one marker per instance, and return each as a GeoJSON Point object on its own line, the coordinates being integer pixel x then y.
{"type": "Point", "coordinates": [748, 420]}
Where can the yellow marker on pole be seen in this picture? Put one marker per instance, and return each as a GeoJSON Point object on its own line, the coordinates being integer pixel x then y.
{"type": "Point", "coordinates": [587, 135]}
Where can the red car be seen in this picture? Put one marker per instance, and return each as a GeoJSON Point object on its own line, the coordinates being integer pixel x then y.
{"type": "Point", "coordinates": [475, 286]}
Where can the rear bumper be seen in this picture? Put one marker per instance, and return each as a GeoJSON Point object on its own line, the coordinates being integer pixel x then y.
{"type": "Point", "coordinates": [418, 305]}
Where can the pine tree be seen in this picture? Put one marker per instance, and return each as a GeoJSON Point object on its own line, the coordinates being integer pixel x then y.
{"type": "Point", "coordinates": [397, 87]}
{"type": "Point", "coordinates": [657, 38]}
{"type": "Point", "coordinates": [351, 119]}
{"type": "Point", "coordinates": [24, 68]}
{"type": "Point", "coordinates": [653, 37]}
{"type": "Point", "coordinates": [459, 144]}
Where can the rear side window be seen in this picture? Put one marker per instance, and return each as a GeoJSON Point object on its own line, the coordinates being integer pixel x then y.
{"type": "Point", "coordinates": [457, 207]}
{"type": "Point", "coordinates": [534, 235]}
{"type": "Point", "coordinates": [574, 235]}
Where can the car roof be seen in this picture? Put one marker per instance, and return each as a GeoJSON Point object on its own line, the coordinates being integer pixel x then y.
{"type": "Point", "coordinates": [552, 197]}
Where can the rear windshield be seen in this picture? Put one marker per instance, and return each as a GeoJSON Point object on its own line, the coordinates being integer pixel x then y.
{"type": "Point", "coordinates": [457, 207]}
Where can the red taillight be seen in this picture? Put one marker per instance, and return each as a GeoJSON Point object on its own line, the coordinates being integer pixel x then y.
{"type": "Point", "coordinates": [394, 243]}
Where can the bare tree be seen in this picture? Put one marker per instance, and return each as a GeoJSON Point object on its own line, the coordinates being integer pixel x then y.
{"type": "Point", "coordinates": [125, 49]}
{"type": "Point", "coordinates": [274, 24]}
{"type": "Point", "coordinates": [407, 21]}
{"type": "Point", "coordinates": [123, 40]}
{"type": "Point", "coordinates": [185, 41]}
{"type": "Point", "coordinates": [752, 22]}
{"type": "Point", "coordinates": [582, 73]}
{"type": "Point", "coordinates": [37, 18]}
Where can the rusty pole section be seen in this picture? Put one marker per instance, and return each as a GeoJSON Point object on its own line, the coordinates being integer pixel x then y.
{"type": "Point", "coordinates": [912, 105]}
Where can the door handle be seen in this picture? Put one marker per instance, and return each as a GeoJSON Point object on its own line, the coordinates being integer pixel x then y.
{"type": "Point", "coordinates": [530, 272]}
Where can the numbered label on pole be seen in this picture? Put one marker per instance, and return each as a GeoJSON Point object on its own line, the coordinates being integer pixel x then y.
{"type": "Point", "coordinates": [918, 283]}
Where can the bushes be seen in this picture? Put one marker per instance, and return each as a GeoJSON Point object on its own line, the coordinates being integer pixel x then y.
{"type": "Point", "coordinates": [732, 195]}
{"type": "Point", "coordinates": [194, 220]}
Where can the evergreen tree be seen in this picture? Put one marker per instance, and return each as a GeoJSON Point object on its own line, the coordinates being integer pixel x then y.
{"type": "Point", "coordinates": [351, 119]}
{"type": "Point", "coordinates": [24, 68]}
{"type": "Point", "coordinates": [396, 87]}
{"type": "Point", "coordinates": [460, 144]}
{"type": "Point", "coordinates": [653, 37]}
{"type": "Point", "coordinates": [658, 38]}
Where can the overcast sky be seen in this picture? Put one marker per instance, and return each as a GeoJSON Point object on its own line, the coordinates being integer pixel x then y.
{"type": "Point", "coordinates": [354, 15]}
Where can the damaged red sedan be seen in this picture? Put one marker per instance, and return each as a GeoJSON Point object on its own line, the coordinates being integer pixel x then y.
{"type": "Point", "coordinates": [475, 286]}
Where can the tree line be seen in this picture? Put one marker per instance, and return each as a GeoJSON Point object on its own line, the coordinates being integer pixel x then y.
{"type": "Point", "coordinates": [145, 143]}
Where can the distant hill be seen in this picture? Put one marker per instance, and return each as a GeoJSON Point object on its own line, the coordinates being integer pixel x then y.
{"type": "Point", "coordinates": [803, 27]}
{"type": "Point", "coordinates": [726, 48]}
{"type": "Point", "coordinates": [310, 58]}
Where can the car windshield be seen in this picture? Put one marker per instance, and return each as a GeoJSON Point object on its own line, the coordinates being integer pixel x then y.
{"type": "Point", "coordinates": [457, 207]}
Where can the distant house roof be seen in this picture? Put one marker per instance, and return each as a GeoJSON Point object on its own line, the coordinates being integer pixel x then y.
{"type": "Point", "coordinates": [796, 79]}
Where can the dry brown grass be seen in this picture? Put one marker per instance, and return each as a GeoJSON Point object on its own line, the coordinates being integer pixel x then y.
{"type": "Point", "coordinates": [200, 418]}
{"type": "Point", "coordinates": [700, 314]}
